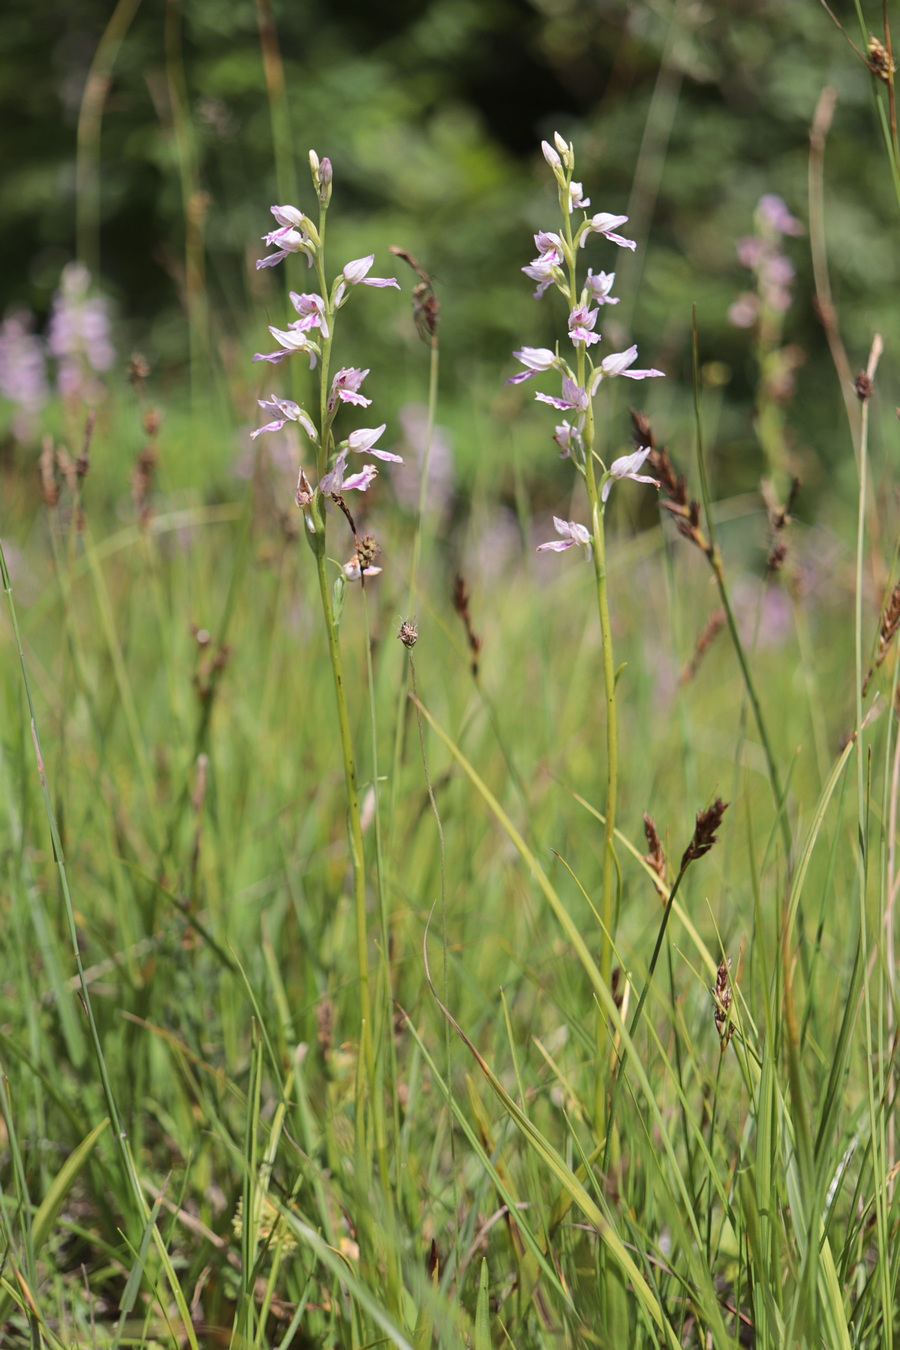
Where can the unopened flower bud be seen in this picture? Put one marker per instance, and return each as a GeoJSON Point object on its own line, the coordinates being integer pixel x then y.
{"type": "Point", "coordinates": [325, 176]}
{"type": "Point", "coordinates": [551, 156]}
{"type": "Point", "coordinates": [314, 167]}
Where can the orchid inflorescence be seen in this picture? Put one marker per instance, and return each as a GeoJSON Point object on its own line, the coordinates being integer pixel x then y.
{"type": "Point", "coordinates": [556, 266]}
{"type": "Point", "coordinates": [312, 334]}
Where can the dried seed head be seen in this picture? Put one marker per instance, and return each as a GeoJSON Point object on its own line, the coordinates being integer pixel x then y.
{"type": "Point", "coordinates": [152, 419]}
{"type": "Point", "coordinates": [777, 555]}
{"type": "Point", "coordinates": [408, 633]}
{"type": "Point", "coordinates": [713, 625]}
{"type": "Point", "coordinates": [366, 551]}
{"type": "Point", "coordinates": [863, 386]}
{"type": "Point", "coordinates": [880, 63]}
{"type": "Point", "coordinates": [655, 858]}
{"type": "Point", "coordinates": [142, 483]}
{"type": "Point", "coordinates": [704, 832]}
{"type": "Point", "coordinates": [461, 605]}
{"type": "Point", "coordinates": [426, 307]}
{"type": "Point", "coordinates": [49, 485]}
{"type": "Point", "coordinates": [137, 368]}
{"type": "Point", "coordinates": [890, 621]}
{"type": "Point", "coordinates": [721, 993]}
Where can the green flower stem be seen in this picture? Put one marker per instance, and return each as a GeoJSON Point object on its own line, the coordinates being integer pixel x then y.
{"type": "Point", "coordinates": [609, 669]}
{"type": "Point", "coordinates": [612, 723]}
{"type": "Point", "coordinates": [354, 822]}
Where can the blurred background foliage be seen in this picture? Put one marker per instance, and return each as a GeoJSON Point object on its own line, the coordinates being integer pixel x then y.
{"type": "Point", "coordinates": [150, 138]}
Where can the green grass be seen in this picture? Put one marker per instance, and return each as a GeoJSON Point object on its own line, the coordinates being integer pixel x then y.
{"type": "Point", "coordinates": [217, 1130]}
{"type": "Point", "coordinates": [200, 814]}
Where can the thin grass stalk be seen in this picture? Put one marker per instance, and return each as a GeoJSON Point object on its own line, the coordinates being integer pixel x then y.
{"type": "Point", "coordinates": [718, 572]}
{"type": "Point", "coordinates": [863, 763]}
{"type": "Point", "coordinates": [279, 109]}
{"type": "Point", "coordinates": [388, 1048]}
{"type": "Point", "coordinates": [90, 118]}
{"type": "Point", "coordinates": [194, 206]}
{"type": "Point", "coordinates": [402, 702]}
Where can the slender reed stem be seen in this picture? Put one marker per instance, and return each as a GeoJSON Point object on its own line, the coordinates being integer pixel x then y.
{"type": "Point", "coordinates": [716, 564]}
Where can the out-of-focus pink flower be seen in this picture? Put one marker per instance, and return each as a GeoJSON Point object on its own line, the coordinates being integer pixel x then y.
{"type": "Point", "coordinates": [573, 536]}
{"type": "Point", "coordinates": [23, 370]}
{"type": "Point", "coordinates": [406, 480]}
{"type": "Point", "coordinates": [79, 332]}
{"type": "Point", "coordinates": [775, 213]}
{"type": "Point", "coordinates": [744, 312]}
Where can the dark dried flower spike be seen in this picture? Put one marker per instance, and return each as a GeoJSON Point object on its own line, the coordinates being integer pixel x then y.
{"type": "Point", "coordinates": [655, 858]}
{"type": "Point", "coordinates": [408, 633]}
{"type": "Point", "coordinates": [863, 386]}
{"type": "Point", "coordinates": [711, 628]}
{"type": "Point", "coordinates": [890, 620]}
{"type": "Point", "coordinates": [704, 832]}
{"type": "Point", "coordinates": [880, 63]}
{"type": "Point", "coordinates": [722, 995]}
{"type": "Point", "coordinates": [461, 605]}
{"type": "Point", "coordinates": [426, 307]}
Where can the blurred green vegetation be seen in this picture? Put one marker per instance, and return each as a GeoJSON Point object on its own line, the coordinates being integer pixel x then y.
{"type": "Point", "coordinates": [432, 115]}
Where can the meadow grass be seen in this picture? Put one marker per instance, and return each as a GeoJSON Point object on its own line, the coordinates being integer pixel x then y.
{"type": "Point", "coordinates": [604, 1082]}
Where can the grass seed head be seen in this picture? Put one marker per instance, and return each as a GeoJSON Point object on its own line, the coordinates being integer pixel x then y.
{"type": "Point", "coordinates": [721, 993]}
{"type": "Point", "coordinates": [704, 832]}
